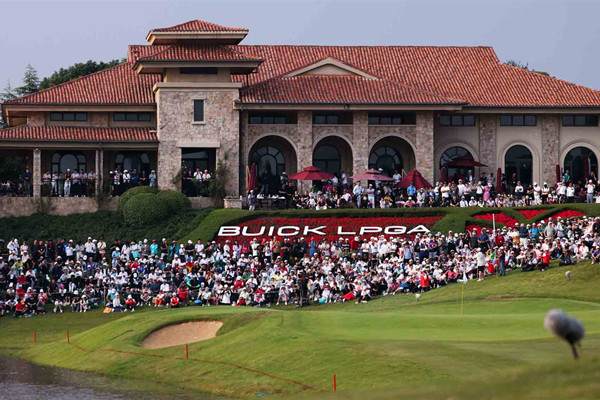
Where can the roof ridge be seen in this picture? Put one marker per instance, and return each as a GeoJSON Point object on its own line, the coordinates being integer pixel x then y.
{"type": "Point", "coordinates": [11, 101]}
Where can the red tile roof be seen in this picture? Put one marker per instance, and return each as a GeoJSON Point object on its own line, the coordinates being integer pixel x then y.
{"type": "Point", "coordinates": [339, 89]}
{"type": "Point", "coordinates": [116, 85]}
{"type": "Point", "coordinates": [199, 53]}
{"type": "Point", "coordinates": [473, 74]}
{"type": "Point", "coordinates": [78, 134]}
{"type": "Point", "coordinates": [198, 25]}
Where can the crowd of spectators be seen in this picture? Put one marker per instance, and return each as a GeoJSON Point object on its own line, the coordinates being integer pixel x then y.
{"type": "Point", "coordinates": [77, 183]}
{"type": "Point", "coordinates": [464, 192]}
{"type": "Point", "coordinates": [195, 183]}
{"type": "Point", "coordinates": [64, 275]}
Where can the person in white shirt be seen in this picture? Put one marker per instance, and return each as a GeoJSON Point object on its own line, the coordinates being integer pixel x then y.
{"type": "Point", "coordinates": [570, 193]}
{"type": "Point", "coordinates": [358, 191]}
{"type": "Point", "coordinates": [589, 191]}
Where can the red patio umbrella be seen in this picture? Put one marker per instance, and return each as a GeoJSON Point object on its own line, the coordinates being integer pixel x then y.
{"type": "Point", "coordinates": [464, 161]}
{"type": "Point", "coordinates": [252, 179]}
{"type": "Point", "coordinates": [372, 175]}
{"type": "Point", "coordinates": [499, 181]}
{"type": "Point", "coordinates": [557, 173]}
{"type": "Point", "coordinates": [312, 173]}
{"type": "Point", "coordinates": [416, 178]}
{"type": "Point", "coordinates": [444, 174]}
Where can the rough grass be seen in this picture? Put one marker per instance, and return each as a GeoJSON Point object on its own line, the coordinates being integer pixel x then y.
{"type": "Point", "coordinates": [390, 348]}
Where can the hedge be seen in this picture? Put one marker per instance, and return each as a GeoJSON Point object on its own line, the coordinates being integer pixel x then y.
{"type": "Point", "coordinates": [176, 201]}
{"type": "Point", "coordinates": [124, 198]}
{"type": "Point", "coordinates": [144, 209]}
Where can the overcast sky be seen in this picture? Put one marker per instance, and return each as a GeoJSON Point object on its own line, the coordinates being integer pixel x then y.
{"type": "Point", "coordinates": [559, 37]}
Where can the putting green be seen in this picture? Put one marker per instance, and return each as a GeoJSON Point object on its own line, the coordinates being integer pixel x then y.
{"type": "Point", "coordinates": [390, 348]}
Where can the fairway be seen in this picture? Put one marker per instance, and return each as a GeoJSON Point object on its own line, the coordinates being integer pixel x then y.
{"type": "Point", "coordinates": [392, 347]}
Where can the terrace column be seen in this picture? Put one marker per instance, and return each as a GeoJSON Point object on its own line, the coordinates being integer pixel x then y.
{"type": "Point", "coordinates": [37, 173]}
{"type": "Point", "coordinates": [99, 167]}
{"type": "Point", "coordinates": [305, 145]}
{"type": "Point", "coordinates": [424, 144]}
{"type": "Point", "coordinates": [360, 158]}
{"type": "Point", "coordinates": [487, 144]}
{"type": "Point", "coordinates": [550, 147]}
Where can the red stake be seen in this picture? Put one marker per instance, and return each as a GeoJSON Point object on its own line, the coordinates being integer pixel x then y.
{"type": "Point", "coordinates": [34, 336]}
{"type": "Point", "coordinates": [68, 338]}
{"type": "Point", "coordinates": [334, 384]}
{"type": "Point", "coordinates": [187, 352]}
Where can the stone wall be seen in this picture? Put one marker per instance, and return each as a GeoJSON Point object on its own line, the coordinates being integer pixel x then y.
{"type": "Point", "coordinates": [22, 206]}
{"type": "Point", "coordinates": [361, 143]}
{"type": "Point", "coordinates": [177, 129]}
{"type": "Point", "coordinates": [424, 144]}
{"type": "Point", "coordinates": [487, 143]}
{"type": "Point", "coordinates": [550, 147]}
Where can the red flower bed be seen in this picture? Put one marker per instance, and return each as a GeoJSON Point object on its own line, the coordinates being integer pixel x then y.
{"type": "Point", "coordinates": [528, 214]}
{"type": "Point", "coordinates": [351, 227]}
{"type": "Point", "coordinates": [568, 214]}
{"type": "Point", "coordinates": [500, 218]}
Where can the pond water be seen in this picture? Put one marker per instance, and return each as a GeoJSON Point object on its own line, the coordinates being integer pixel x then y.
{"type": "Point", "coordinates": [20, 380]}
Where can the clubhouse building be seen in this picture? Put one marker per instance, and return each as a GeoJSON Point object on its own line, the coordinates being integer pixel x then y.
{"type": "Point", "coordinates": [195, 96]}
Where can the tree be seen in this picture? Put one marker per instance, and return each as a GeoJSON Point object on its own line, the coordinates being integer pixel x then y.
{"type": "Point", "coordinates": [75, 71]}
{"type": "Point", "coordinates": [31, 82]}
{"type": "Point", "coordinates": [525, 66]}
{"type": "Point", "coordinates": [7, 94]}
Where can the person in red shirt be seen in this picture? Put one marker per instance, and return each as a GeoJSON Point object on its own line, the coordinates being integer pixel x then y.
{"type": "Point", "coordinates": [174, 301]}
{"type": "Point", "coordinates": [545, 260]}
{"type": "Point", "coordinates": [130, 303]}
{"type": "Point", "coordinates": [20, 309]}
{"type": "Point", "coordinates": [182, 293]}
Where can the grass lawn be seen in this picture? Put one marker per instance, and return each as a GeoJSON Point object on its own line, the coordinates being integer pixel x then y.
{"type": "Point", "coordinates": [390, 348]}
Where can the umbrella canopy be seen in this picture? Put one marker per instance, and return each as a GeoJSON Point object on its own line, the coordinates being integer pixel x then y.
{"type": "Point", "coordinates": [416, 178]}
{"type": "Point", "coordinates": [586, 167]}
{"type": "Point", "coordinates": [464, 161]}
{"type": "Point", "coordinates": [312, 174]}
{"type": "Point", "coordinates": [557, 173]}
{"type": "Point", "coordinates": [252, 179]}
{"type": "Point", "coordinates": [499, 181]}
{"type": "Point", "coordinates": [444, 173]}
{"type": "Point", "coordinates": [372, 175]}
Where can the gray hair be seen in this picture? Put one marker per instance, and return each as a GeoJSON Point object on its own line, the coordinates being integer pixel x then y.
{"type": "Point", "coordinates": [566, 327]}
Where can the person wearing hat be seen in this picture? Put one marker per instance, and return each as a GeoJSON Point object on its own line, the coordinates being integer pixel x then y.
{"type": "Point", "coordinates": [152, 179]}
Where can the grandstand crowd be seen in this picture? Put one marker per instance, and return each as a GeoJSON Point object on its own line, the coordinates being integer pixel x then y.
{"type": "Point", "coordinates": [458, 192]}
{"type": "Point", "coordinates": [67, 276]}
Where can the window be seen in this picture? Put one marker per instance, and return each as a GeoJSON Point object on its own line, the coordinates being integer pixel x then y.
{"type": "Point", "coordinates": [518, 120]}
{"type": "Point", "coordinates": [580, 120]}
{"type": "Point", "coordinates": [193, 159]}
{"type": "Point", "coordinates": [457, 120]}
{"type": "Point", "coordinates": [271, 118]}
{"type": "Point", "coordinates": [332, 118]}
{"type": "Point", "coordinates": [132, 116]}
{"type": "Point", "coordinates": [453, 174]}
{"type": "Point", "coordinates": [580, 162]}
{"type": "Point", "coordinates": [198, 110]}
{"type": "Point", "coordinates": [68, 161]}
{"type": "Point", "coordinates": [328, 159]}
{"type": "Point", "coordinates": [270, 163]}
{"type": "Point", "coordinates": [133, 161]}
{"type": "Point", "coordinates": [387, 158]}
{"type": "Point", "coordinates": [409, 118]}
{"type": "Point", "coordinates": [518, 165]}
{"type": "Point", "coordinates": [198, 71]}
{"type": "Point", "coordinates": [68, 116]}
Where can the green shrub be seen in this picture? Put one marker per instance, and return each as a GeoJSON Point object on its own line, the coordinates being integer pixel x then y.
{"type": "Point", "coordinates": [144, 209]}
{"type": "Point", "coordinates": [176, 201]}
{"type": "Point", "coordinates": [124, 198]}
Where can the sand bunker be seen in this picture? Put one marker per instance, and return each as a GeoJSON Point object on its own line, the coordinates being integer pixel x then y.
{"type": "Point", "coordinates": [187, 332]}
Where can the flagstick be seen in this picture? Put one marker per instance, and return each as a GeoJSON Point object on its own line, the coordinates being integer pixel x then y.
{"type": "Point", "coordinates": [494, 221]}
{"type": "Point", "coordinates": [462, 298]}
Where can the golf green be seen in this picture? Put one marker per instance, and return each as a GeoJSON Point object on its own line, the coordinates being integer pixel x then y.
{"type": "Point", "coordinates": [393, 347]}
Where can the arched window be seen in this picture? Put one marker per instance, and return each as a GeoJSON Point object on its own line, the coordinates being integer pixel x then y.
{"type": "Point", "coordinates": [68, 161]}
{"type": "Point", "coordinates": [328, 159]}
{"type": "Point", "coordinates": [131, 161]}
{"type": "Point", "coordinates": [270, 160]}
{"type": "Point", "coordinates": [387, 158]}
{"type": "Point", "coordinates": [456, 173]}
{"type": "Point", "coordinates": [518, 165]}
{"type": "Point", "coordinates": [581, 162]}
